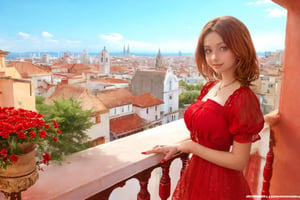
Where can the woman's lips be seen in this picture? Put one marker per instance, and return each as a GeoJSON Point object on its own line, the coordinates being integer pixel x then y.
{"type": "Point", "coordinates": [217, 65]}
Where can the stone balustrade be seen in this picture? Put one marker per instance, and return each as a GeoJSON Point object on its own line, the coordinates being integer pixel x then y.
{"type": "Point", "coordinates": [96, 172]}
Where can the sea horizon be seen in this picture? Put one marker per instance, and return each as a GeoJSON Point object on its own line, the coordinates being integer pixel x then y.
{"type": "Point", "coordinates": [30, 54]}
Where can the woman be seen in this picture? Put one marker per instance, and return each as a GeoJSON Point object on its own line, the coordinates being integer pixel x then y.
{"type": "Point", "coordinates": [225, 119]}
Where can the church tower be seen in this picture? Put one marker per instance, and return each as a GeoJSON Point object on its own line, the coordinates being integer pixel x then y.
{"type": "Point", "coordinates": [158, 64]}
{"type": "Point", "coordinates": [104, 62]}
{"type": "Point", "coordinates": [128, 51]}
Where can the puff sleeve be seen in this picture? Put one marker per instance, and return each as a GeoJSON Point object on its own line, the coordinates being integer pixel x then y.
{"type": "Point", "coordinates": [245, 117]}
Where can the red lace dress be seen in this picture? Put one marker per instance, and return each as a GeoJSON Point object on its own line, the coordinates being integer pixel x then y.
{"type": "Point", "coordinates": [216, 126]}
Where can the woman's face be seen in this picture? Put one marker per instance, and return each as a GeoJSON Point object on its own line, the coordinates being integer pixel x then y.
{"type": "Point", "coordinates": [217, 55]}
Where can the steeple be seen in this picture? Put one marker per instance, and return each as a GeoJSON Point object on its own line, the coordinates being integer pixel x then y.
{"type": "Point", "coordinates": [104, 62]}
{"type": "Point", "coordinates": [158, 64]}
{"type": "Point", "coordinates": [128, 52]}
{"type": "Point", "coordinates": [124, 52]}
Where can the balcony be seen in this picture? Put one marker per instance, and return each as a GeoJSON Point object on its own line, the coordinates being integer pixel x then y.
{"type": "Point", "coordinates": [117, 169]}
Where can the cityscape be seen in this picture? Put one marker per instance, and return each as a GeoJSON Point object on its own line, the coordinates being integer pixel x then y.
{"type": "Point", "coordinates": [133, 83]}
{"type": "Point", "coordinates": [141, 89]}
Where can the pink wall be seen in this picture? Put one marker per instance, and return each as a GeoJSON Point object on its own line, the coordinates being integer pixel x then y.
{"type": "Point", "coordinates": [286, 171]}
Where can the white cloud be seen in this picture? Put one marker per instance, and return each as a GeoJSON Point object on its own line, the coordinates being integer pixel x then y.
{"type": "Point", "coordinates": [113, 37]}
{"type": "Point", "coordinates": [46, 34]}
{"type": "Point", "coordinates": [276, 12]}
{"type": "Point", "coordinates": [25, 35]}
{"type": "Point", "coordinates": [263, 2]}
{"type": "Point", "coordinates": [269, 42]}
{"type": "Point", "coordinates": [259, 2]}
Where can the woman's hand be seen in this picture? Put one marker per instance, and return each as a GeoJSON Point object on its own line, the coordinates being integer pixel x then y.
{"type": "Point", "coordinates": [168, 150]}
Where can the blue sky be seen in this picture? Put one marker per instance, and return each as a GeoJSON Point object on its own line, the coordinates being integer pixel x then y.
{"type": "Point", "coordinates": [144, 25]}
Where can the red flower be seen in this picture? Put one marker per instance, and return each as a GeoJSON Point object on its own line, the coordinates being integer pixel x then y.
{"type": "Point", "coordinates": [4, 135]}
{"type": "Point", "coordinates": [46, 158]}
{"type": "Point", "coordinates": [32, 134]}
{"type": "Point", "coordinates": [59, 131]}
{"type": "Point", "coordinates": [55, 124]}
{"type": "Point", "coordinates": [4, 158]}
{"type": "Point", "coordinates": [19, 125]}
{"type": "Point", "coordinates": [21, 135]}
{"type": "Point", "coordinates": [3, 152]}
{"type": "Point", "coordinates": [42, 133]}
{"type": "Point", "coordinates": [13, 158]}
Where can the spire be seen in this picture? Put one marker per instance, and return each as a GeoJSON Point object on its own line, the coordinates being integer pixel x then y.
{"type": "Point", "coordinates": [124, 52]}
{"type": "Point", "coordinates": [158, 64]}
{"type": "Point", "coordinates": [128, 52]}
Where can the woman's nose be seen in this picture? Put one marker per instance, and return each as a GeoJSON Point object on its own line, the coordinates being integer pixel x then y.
{"type": "Point", "coordinates": [214, 56]}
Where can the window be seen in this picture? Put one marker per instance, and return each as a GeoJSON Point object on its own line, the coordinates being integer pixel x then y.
{"type": "Point", "coordinates": [155, 108]}
{"type": "Point", "coordinates": [147, 110]}
{"type": "Point", "coordinates": [170, 109]}
{"type": "Point", "coordinates": [170, 97]}
{"type": "Point", "coordinates": [156, 117]}
{"type": "Point", "coordinates": [115, 111]}
{"type": "Point", "coordinates": [98, 119]}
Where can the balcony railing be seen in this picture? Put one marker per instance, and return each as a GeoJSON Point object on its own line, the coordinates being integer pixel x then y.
{"type": "Point", "coordinates": [95, 173]}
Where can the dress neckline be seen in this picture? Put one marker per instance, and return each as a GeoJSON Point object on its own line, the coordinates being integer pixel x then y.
{"type": "Point", "coordinates": [228, 100]}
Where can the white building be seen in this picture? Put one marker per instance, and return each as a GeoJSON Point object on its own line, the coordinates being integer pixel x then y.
{"type": "Point", "coordinates": [164, 85]}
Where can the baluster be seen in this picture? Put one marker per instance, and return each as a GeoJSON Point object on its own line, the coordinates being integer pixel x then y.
{"type": "Point", "coordinates": [165, 185]}
{"type": "Point", "coordinates": [185, 159]}
{"type": "Point", "coordinates": [144, 179]}
{"type": "Point", "coordinates": [104, 195]}
{"type": "Point", "coordinates": [268, 168]}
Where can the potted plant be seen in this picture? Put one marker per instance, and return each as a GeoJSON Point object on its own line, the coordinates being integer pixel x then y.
{"type": "Point", "coordinates": [21, 131]}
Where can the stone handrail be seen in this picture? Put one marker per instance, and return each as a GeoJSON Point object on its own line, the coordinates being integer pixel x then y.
{"type": "Point", "coordinates": [85, 174]}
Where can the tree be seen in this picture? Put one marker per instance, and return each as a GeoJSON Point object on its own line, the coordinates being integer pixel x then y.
{"type": "Point", "coordinates": [188, 97]}
{"type": "Point", "coordinates": [73, 122]}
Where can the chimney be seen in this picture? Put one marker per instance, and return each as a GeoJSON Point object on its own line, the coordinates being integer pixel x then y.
{"type": "Point", "coordinates": [2, 58]}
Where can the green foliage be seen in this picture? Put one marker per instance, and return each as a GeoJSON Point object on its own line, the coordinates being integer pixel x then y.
{"type": "Point", "coordinates": [190, 95]}
{"type": "Point", "coordinates": [189, 87]}
{"type": "Point", "coordinates": [187, 98]}
{"type": "Point", "coordinates": [39, 100]}
{"type": "Point", "coordinates": [73, 122]}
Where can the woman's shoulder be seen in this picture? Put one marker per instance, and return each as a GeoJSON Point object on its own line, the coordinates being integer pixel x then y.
{"type": "Point", "coordinates": [242, 96]}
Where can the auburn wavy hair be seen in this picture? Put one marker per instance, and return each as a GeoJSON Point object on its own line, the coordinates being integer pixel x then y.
{"type": "Point", "coordinates": [237, 38]}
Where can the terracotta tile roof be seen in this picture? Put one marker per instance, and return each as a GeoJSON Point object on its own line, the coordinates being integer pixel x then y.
{"type": "Point", "coordinates": [115, 97]}
{"type": "Point", "coordinates": [83, 67]}
{"type": "Point", "coordinates": [145, 100]}
{"type": "Point", "coordinates": [126, 123]}
{"type": "Point", "coordinates": [88, 100]}
{"type": "Point", "coordinates": [109, 80]}
{"type": "Point", "coordinates": [119, 68]}
{"type": "Point", "coordinates": [26, 69]}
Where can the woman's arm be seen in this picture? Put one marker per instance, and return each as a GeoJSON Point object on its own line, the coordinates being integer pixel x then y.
{"type": "Point", "coordinates": [236, 159]}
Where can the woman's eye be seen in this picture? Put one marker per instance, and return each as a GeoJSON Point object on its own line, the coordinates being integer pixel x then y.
{"type": "Point", "coordinates": [224, 48]}
{"type": "Point", "coordinates": [207, 51]}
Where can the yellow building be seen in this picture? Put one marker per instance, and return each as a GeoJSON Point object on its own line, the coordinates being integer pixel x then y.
{"type": "Point", "coordinates": [14, 91]}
